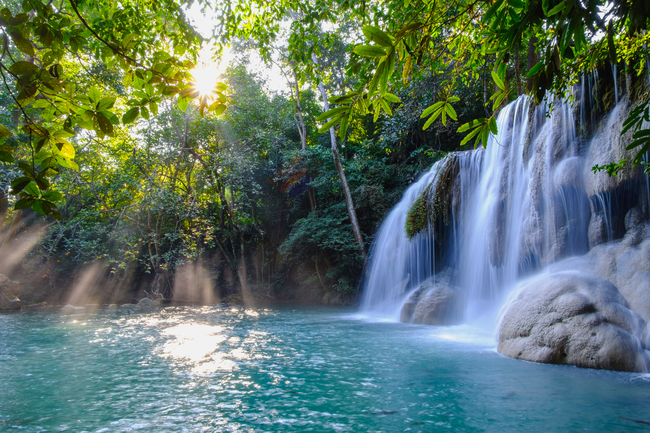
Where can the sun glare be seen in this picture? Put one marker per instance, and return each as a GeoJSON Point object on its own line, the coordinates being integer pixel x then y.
{"type": "Point", "coordinates": [205, 78]}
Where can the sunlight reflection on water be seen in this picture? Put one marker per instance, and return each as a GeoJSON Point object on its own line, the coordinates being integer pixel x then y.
{"type": "Point", "coordinates": [231, 369]}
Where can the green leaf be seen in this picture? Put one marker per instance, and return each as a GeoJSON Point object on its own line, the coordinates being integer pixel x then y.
{"type": "Point", "coordinates": [20, 68]}
{"type": "Point", "coordinates": [66, 149]}
{"type": "Point", "coordinates": [24, 203]}
{"type": "Point", "coordinates": [386, 107]}
{"type": "Point", "coordinates": [493, 125]}
{"type": "Point", "coordinates": [131, 115]}
{"type": "Point", "coordinates": [330, 124]}
{"type": "Point", "coordinates": [106, 103]}
{"type": "Point", "coordinates": [469, 136]}
{"type": "Point", "coordinates": [331, 113]}
{"type": "Point", "coordinates": [183, 103]}
{"type": "Point", "coordinates": [450, 111]}
{"type": "Point", "coordinates": [344, 127]}
{"type": "Point", "coordinates": [432, 119]}
{"type": "Point", "coordinates": [431, 109]}
{"type": "Point", "coordinates": [6, 157]}
{"type": "Point", "coordinates": [41, 103]}
{"type": "Point", "coordinates": [42, 183]}
{"type": "Point", "coordinates": [375, 79]}
{"type": "Point", "coordinates": [392, 98]}
{"type": "Point", "coordinates": [467, 126]}
{"type": "Point", "coordinates": [535, 69]}
{"type": "Point", "coordinates": [94, 95]}
{"type": "Point", "coordinates": [4, 132]}
{"type": "Point", "coordinates": [144, 111]}
{"type": "Point", "coordinates": [385, 75]}
{"type": "Point", "coordinates": [52, 195]}
{"type": "Point", "coordinates": [19, 184]}
{"type": "Point", "coordinates": [22, 43]}
{"type": "Point", "coordinates": [369, 51]}
{"type": "Point", "coordinates": [497, 79]}
{"type": "Point", "coordinates": [488, 15]}
{"type": "Point", "coordinates": [32, 189]}
{"type": "Point", "coordinates": [377, 36]}
{"type": "Point", "coordinates": [217, 108]}
{"type": "Point", "coordinates": [105, 125]}
{"type": "Point", "coordinates": [62, 133]}
{"type": "Point", "coordinates": [558, 8]}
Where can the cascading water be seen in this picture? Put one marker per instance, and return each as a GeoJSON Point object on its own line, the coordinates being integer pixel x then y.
{"type": "Point", "coordinates": [517, 207]}
{"type": "Point", "coordinates": [491, 225]}
{"type": "Point", "coordinates": [400, 263]}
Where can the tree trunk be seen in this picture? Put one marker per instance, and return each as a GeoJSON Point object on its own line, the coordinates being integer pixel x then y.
{"type": "Point", "coordinates": [312, 197]}
{"type": "Point", "coordinates": [302, 128]}
{"type": "Point", "coordinates": [344, 182]}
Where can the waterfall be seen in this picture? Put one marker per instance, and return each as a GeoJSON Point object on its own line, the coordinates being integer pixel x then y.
{"type": "Point", "coordinates": [517, 206]}
{"type": "Point", "coordinates": [398, 264]}
{"type": "Point", "coordinates": [489, 245]}
{"type": "Point", "coordinates": [526, 238]}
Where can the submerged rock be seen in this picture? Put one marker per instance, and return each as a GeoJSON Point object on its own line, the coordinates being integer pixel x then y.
{"type": "Point", "coordinates": [574, 318]}
{"type": "Point", "coordinates": [69, 309]}
{"type": "Point", "coordinates": [435, 302]}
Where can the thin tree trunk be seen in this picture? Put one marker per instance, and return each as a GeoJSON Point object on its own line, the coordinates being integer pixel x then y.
{"type": "Point", "coordinates": [312, 197]}
{"type": "Point", "coordinates": [302, 128]}
{"type": "Point", "coordinates": [344, 182]}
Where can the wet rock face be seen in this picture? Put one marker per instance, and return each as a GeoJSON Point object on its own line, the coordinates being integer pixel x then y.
{"type": "Point", "coordinates": [573, 318]}
{"type": "Point", "coordinates": [608, 145]}
{"type": "Point", "coordinates": [435, 302]}
{"type": "Point", "coordinates": [10, 292]}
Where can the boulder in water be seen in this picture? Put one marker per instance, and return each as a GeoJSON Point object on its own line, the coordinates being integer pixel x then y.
{"type": "Point", "coordinates": [148, 302]}
{"type": "Point", "coordinates": [10, 292]}
{"type": "Point", "coordinates": [435, 302]}
{"type": "Point", "coordinates": [70, 309]}
{"type": "Point", "coordinates": [573, 318]}
{"type": "Point", "coordinates": [624, 263]}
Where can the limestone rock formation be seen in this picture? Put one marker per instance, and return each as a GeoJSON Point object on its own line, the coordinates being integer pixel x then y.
{"type": "Point", "coordinates": [10, 292]}
{"type": "Point", "coordinates": [624, 263]}
{"type": "Point", "coordinates": [435, 302]}
{"type": "Point", "coordinates": [574, 318]}
{"type": "Point", "coordinates": [608, 145]}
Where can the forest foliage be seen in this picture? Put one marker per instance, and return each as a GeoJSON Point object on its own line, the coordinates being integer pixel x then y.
{"type": "Point", "coordinates": [108, 146]}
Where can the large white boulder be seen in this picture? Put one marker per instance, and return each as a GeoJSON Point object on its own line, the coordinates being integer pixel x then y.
{"type": "Point", "coordinates": [575, 318]}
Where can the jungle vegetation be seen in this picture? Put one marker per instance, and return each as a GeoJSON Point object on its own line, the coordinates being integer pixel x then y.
{"type": "Point", "coordinates": [118, 161]}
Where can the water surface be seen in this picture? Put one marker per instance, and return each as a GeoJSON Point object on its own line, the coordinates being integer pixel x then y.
{"type": "Point", "coordinates": [229, 369]}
